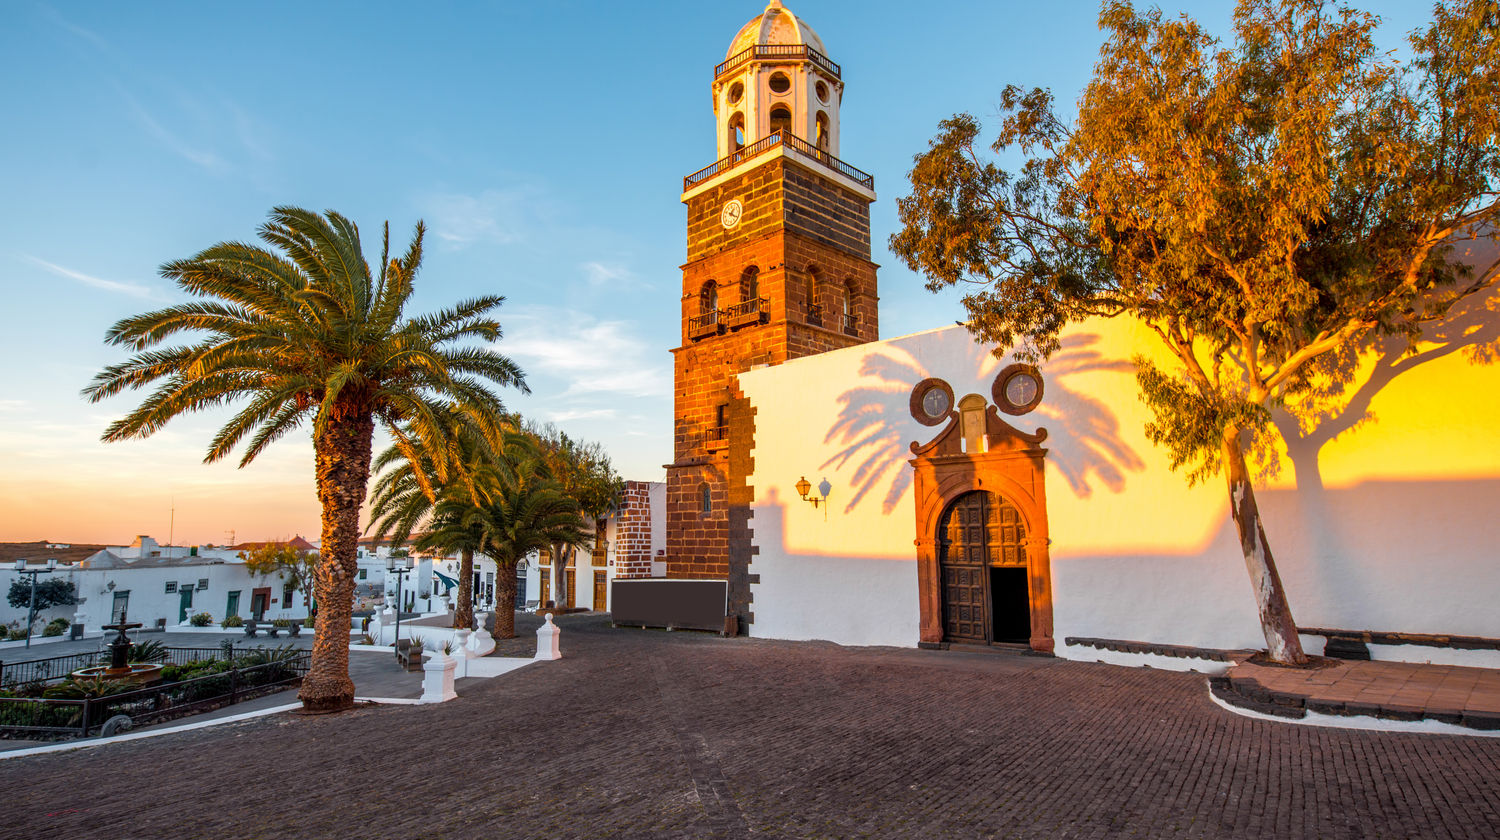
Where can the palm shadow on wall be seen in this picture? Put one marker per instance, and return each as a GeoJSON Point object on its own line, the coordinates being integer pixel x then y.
{"type": "Point", "coordinates": [874, 430]}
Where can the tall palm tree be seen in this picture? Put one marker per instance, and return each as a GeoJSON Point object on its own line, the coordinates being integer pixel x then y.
{"type": "Point", "coordinates": [303, 331]}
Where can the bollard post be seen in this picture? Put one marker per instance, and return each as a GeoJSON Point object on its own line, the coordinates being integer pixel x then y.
{"type": "Point", "coordinates": [548, 641]}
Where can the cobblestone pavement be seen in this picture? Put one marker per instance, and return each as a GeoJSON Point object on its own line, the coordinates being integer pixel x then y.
{"type": "Point", "coordinates": [675, 735]}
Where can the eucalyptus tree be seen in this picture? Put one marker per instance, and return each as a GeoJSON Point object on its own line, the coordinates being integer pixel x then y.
{"type": "Point", "coordinates": [1262, 206]}
{"type": "Point", "coordinates": [306, 335]}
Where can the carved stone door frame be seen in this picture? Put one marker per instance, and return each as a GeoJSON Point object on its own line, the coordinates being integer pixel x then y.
{"type": "Point", "coordinates": [1009, 463]}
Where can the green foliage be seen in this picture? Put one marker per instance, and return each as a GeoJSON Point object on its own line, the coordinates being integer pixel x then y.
{"type": "Point", "coordinates": [87, 688]}
{"type": "Point", "coordinates": [294, 566]}
{"type": "Point", "coordinates": [149, 651]}
{"type": "Point", "coordinates": [56, 627]}
{"type": "Point", "coordinates": [233, 621]}
{"type": "Point", "coordinates": [16, 633]}
{"type": "Point", "coordinates": [310, 621]}
{"type": "Point", "coordinates": [1259, 204]}
{"type": "Point", "coordinates": [281, 622]}
{"type": "Point", "coordinates": [202, 619]}
{"type": "Point", "coordinates": [50, 592]}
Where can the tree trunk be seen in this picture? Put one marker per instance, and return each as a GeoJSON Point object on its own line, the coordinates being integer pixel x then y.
{"type": "Point", "coordinates": [559, 575]}
{"type": "Point", "coordinates": [1282, 642]}
{"type": "Point", "coordinates": [505, 601]}
{"type": "Point", "coordinates": [342, 454]}
{"type": "Point", "coordinates": [463, 616]}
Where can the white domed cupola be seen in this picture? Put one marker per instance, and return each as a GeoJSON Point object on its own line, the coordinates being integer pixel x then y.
{"type": "Point", "coordinates": [776, 77]}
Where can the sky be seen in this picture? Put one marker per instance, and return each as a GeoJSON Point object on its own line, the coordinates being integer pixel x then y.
{"type": "Point", "coordinates": [542, 143]}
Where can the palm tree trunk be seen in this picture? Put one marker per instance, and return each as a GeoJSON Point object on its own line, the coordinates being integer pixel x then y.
{"type": "Point", "coordinates": [505, 601]}
{"type": "Point", "coordinates": [1282, 643]}
{"type": "Point", "coordinates": [342, 454]}
{"type": "Point", "coordinates": [463, 617]}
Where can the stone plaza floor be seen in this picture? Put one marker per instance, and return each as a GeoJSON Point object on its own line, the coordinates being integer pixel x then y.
{"type": "Point", "coordinates": [640, 733]}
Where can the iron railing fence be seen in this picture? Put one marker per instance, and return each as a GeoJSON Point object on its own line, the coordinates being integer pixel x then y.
{"type": "Point", "coordinates": [769, 142]}
{"type": "Point", "coordinates": [744, 309]}
{"type": "Point", "coordinates": [57, 668]}
{"type": "Point", "coordinates": [850, 324]}
{"type": "Point", "coordinates": [791, 51]}
{"type": "Point", "coordinates": [21, 716]}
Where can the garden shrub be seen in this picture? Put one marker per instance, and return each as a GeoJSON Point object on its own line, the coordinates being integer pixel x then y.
{"type": "Point", "coordinates": [234, 621]}
{"type": "Point", "coordinates": [202, 619]}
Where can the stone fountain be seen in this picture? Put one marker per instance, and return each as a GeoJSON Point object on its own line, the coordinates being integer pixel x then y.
{"type": "Point", "coordinates": [119, 667]}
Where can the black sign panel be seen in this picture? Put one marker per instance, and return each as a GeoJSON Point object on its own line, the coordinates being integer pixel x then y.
{"type": "Point", "coordinates": [675, 604]}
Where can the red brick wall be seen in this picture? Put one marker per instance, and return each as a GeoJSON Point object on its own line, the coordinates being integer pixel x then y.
{"type": "Point", "coordinates": [810, 241]}
{"type": "Point", "coordinates": [633, 532]}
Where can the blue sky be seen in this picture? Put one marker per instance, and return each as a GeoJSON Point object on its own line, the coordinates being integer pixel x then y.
{"type": "Point", "coordinates": [543, 144]}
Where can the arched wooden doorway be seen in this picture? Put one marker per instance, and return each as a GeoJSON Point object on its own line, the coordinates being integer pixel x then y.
{"type": "Point", "coordinates": [983, 571]}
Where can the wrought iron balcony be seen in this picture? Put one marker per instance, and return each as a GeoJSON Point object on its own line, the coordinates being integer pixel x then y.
{"type": "Point", "coordinates": [749, 310]}
{"type": "Point", "coordinates": [769, 142]}
{"type": "Point", "coordinates": [800, 52]}
{"type": "Point", "coordinates": [850, 324]}
{"type": "Point", "coordinates": [815, 314]}
{"type": "Point", "coordinates": [701, 325]}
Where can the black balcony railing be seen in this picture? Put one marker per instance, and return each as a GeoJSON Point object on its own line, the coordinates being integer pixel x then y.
{"type": "Point", "coordinates": [706, 323]}
{"type": "Point", "coordinates": [744, 310]}
{"type": "Point", "coordinates": [815, 314]}
{"type": "Point", "coordinates": [850, 324]}
{"type": "Point", "coordinates": [771, 141]}
{"type": "Point", "coordinates": [779, 51]}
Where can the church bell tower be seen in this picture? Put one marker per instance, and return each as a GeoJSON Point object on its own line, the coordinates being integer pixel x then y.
{"type": "Point", "coordinates": [778, 267]}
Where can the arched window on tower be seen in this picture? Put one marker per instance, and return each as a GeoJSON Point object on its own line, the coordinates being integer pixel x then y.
{"type": "Point", "coordinates": [814, 292]}
{"type": "Point", "coordinates": [846, 294]}
{"type": "Point", "coordinates": [781, 120]}
{"type": "Point", "coordinates": [708, 301]}
{"type": "Point", "coordinates": [750, 289]}
{"type": "Point", "coordinates": [736, 132]}
{"type": "Point", "coordinates": [822, 131]}
{"type": "Point", "coordinates": [705, 499]}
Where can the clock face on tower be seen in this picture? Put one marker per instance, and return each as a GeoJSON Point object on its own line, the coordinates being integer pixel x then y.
{"type": "Point", "coordinates": [730, 215]}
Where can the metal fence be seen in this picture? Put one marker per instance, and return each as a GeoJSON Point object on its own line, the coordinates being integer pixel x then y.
{"type": "Point", "coordinates": [20, 716]}
{"type": "Point", "coordinates": [57, 668]}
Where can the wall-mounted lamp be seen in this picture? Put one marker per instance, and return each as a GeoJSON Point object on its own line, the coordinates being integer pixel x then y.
{"type": "Point", "coordinates": [803, 487]}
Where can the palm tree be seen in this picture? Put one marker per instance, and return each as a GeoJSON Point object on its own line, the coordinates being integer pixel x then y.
{"type": "Point", "coordinates": [304, 332]}
{"type": "Point", "coordinates": [528, 512]}
{"type": "Point", "coordinates": [429, 498]}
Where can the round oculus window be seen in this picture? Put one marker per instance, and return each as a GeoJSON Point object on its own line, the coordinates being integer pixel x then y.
{"type": "Point", "coordinates": [779, 83]}
{"type": "Point", "coordinates": [1018, 389]}
{"type": "Point", "coordinates": [736, 92]}
{"type": "Point", "coordinates": [822, 91]}
{"type": "Point", "coordinates": [935, 402]}
{"type": "Point", "coordinates": [931, 402]}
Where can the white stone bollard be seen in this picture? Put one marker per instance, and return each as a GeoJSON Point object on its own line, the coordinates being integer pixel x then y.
{"type": "Point", "coordinates": [548, 640]}
{"type": "Point", "coordinates": [461, 643]}
{"type": "Point", "coordinates": [481, 643]}
{"type": "Point", "coordinates": [437, 677]}
{"type": "Point", "coordinates": [387, 619]}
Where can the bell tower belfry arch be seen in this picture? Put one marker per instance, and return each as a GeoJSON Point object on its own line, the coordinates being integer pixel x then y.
{"type": "Point", "coordinates": [778, 267]}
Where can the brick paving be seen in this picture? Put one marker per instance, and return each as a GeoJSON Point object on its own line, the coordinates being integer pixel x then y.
{"type": "Point", "coordinates": [1395, 690]}
{"type": "Point", "coordinates": [676, 735]}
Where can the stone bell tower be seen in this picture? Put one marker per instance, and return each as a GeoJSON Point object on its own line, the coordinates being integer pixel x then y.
{"type": "Point", "coordinates": [778, 267]}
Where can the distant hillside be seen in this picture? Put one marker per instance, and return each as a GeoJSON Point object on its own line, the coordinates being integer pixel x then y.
{"type": "Point", "coordinates": [34, 551]}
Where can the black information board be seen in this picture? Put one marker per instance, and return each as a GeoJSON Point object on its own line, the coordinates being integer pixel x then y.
{"type": "Point", "coordinates": [674, 604]}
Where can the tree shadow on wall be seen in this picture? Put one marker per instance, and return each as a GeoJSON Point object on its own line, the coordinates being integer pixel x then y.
{"type": "Point", "coordinates": [874, 428]}
{"type": "Point", "coordinates": [1342, 405]}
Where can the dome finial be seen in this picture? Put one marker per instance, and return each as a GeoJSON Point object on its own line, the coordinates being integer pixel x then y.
{"type": "Point", "coordinates": [774, 4]}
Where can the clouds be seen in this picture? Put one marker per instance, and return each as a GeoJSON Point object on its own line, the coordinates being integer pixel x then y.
{"type": "Point", "coordinates": [590, 357]}
{"type": "Point", "coordinates": [496, 216]}
{"type": "Point", "coordinates": [132, 289]}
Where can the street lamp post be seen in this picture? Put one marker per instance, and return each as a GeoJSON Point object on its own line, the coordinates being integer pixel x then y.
{"type": "Point", "coordinates": [400, 567]}
{"type": "Point", "coordinates": [31, 610]}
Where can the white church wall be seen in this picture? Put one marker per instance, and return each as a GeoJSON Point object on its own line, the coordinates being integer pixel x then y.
{"type": "Point", "coordinates": [1391, 529]}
